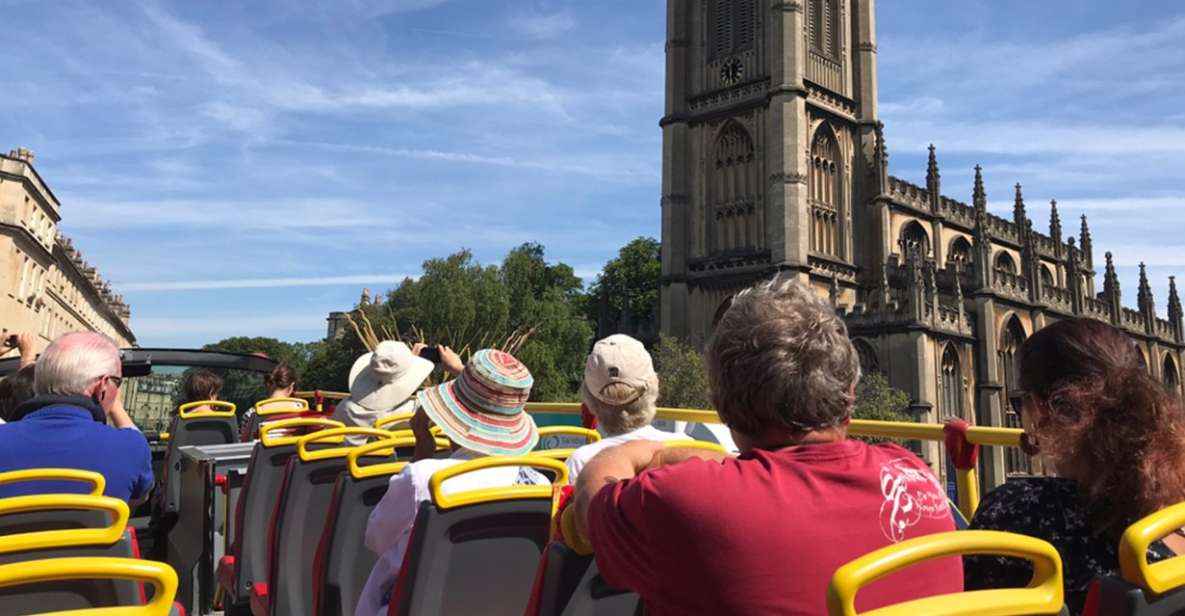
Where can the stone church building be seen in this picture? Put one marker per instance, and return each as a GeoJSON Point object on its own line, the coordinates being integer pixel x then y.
{"type": "Point", "coordinates": [774, 161]}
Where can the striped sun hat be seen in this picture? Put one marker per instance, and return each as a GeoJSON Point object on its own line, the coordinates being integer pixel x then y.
{"type": "Point", "coordinates": [482, 409]}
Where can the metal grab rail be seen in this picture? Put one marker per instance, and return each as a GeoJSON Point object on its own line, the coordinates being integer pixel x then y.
{"type": "Point", "coordinates": [970, 436]}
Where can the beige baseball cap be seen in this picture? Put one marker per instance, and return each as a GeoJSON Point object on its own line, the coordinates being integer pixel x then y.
{"type": "Point", "coordinates": [618, 359]}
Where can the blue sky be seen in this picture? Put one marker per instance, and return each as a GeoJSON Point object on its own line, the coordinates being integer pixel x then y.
{"type": "Point", "coordinates": [244, 169]}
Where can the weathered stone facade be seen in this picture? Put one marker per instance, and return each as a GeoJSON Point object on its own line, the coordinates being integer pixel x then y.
{"type": "Point", "coordinates": [774, 161]}
{"type": "Point", "coordinates": [46, 288]}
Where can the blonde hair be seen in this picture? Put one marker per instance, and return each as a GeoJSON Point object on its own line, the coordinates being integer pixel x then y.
{"type": "Point", "coordinates": [619, 419]}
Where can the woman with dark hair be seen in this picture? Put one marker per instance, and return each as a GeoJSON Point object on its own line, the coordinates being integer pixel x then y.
{"type": "Point", "coordinates": [15, 389]}
{"type": "Point", "coordinates": [1115, 439]}
{"type": "Point", "coordinates": [279, 383]}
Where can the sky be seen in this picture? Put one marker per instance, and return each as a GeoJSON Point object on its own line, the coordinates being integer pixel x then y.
{"type": "Point", "coordinates": [245, 167]}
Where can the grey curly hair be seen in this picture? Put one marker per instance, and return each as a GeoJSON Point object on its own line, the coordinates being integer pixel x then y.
{"type": "Point", "coordinates": [780, 358]}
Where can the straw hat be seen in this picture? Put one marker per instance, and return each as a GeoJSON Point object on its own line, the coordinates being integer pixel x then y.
{"type": "Point", "coordinates": [482, 409]}
{"type": "Point", "coordinates": [384, 379]}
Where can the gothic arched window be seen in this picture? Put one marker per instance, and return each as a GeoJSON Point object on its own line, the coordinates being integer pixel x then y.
{"type": "Point", "coordinates": [914, 239]}
{"type": "Point", "coordinates": [960, 253]}
{"type": "Point", "coordinates": [733, 26]}
{"type": "Point", "coordinates": [952, 383]}
{"type": "Point", "coordinates": [1047, 279]}
{"type": "Point", "coordinates": [825, 31]}
{"type": "Point", "coordinates": [734, 184]}
{"type": "Point", "coordinates": [867, 355]}
{"type": "Point", "coordinates": [1011, 339]}
{"type": "Point", "coordinates": [1170, 375]}
{"type": "Point", "coordinates": [1005, 263]}
{"type": "Point", "coordinates": [824, 189]}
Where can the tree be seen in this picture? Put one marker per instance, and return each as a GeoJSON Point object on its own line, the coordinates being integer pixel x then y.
{"type": "Point", "coordinates": [295, 354]}
{"type": "Point", "coordinates": [878, 400]}
{"type": "Point", "coordinates": [624, 297]}
{"type": "Point", "coordinates": [683, 377]}
{"type": "Point", "coordinates": [469, 306]}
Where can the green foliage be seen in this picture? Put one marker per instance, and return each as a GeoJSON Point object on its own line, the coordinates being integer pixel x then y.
{"type": "Point", "coordinates": [627, 288]}
{"type": "Point", "coordinates": [877, 399]}
{"type": "Point", "coordinates": [295, 354]}
{"type": "Point", "coordinates": [469, 306]}
{"type": "Point", "coordinates": [683, 377]}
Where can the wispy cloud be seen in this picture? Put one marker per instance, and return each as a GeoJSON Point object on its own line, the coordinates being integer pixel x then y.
{"type": "Point", "coordinates": [543, 26]}
{"type": "Point", "coordinates": [263, 283]}
{"type": "Point", "coordinates": [228, 216]}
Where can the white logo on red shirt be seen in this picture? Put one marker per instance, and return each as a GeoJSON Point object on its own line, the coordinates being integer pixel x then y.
{"type": "Point", "coordinates": [911, 493]}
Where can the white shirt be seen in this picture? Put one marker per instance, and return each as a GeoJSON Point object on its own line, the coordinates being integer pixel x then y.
{"type": "Point", "coordinates": [389, 527]}
{"type": "Point", "coordinates": [583, 454]}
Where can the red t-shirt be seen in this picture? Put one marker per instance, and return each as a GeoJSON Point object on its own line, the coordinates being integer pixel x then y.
{"type": "Point", "coordinates": [763, 533]}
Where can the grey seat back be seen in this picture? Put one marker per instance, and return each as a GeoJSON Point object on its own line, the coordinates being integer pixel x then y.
{"type": "Point", "coordinates": [187, 432]}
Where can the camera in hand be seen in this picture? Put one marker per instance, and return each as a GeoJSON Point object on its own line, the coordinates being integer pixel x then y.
{"type": "Point", "coordinates": [10, 340]}
{"type": "Point", "coordinates": [431, 354]}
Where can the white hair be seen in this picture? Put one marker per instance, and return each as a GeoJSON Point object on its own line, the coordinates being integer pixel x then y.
{"type": "Point", "coordinates": [74, 362]}
{"type": "Point", "coordinates": [619, 419]}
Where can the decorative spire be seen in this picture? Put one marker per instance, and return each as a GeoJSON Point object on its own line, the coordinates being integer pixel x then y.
{"type": "Point", "coordinates": [978, 196]}
{"type": "Point", "coordinates": [1111, 289]}
{"type": "Point", "coordinates": [1055, 223]}
{"type": "Point", "coordinates": [1085, 243]}
{"type": "Point", "coordinates": [365, 301]}
{"type": "Point", "coordinates": [1144, 294]}
{"type": "Point", "coordinates": [880, 159]}
{"type": "Point", "coordinates": [933, 181]}
{"type": "Point", "coordinates": [1018, 209]}
{"type": "Point", "coordinates": [1175, 312]}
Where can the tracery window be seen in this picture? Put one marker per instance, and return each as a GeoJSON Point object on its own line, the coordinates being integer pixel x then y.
{"type": "Point", "coordinates": [1005, 263]}
{"type": "Point", "coordinates": [960, 253]}
{"type": "Point", "coordinates": [824, 190]}
{"type": "Point", "coordinates": [914, 239]}
{"type": "Point", "coordinates": [825, 31]}
{"type": "Point", "coordinates": [1047, 280]}
{"type": "Point", "coordinates": [734, 184]}
{"type": "Point", "coordinates": [867, 356]}
{"type": "Point", "coordinates": [952, 383]}
{"type": "Point", "coordinates": [1015, 462]}
{"type": "Point", "coordinates": [1170, 375]}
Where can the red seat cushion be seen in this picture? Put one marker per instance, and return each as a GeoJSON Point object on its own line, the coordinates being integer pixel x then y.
{"type": "Point", "coordinates": [226, 573]}
{"type": "Point", "coordinates": [1092, 599]}
{"type": "Point", "coordinates": [261, 604]}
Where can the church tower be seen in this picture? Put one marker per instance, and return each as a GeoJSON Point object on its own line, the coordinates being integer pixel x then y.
{"type": "Point", "coordinates": [771, 152]}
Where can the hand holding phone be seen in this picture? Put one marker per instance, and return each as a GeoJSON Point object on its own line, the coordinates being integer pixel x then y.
{"type": "Point", "coordinates": [431, 353]}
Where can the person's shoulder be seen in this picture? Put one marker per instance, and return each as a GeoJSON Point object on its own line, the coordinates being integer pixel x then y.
{"type": "Point", "coordinates": [1034, 489]}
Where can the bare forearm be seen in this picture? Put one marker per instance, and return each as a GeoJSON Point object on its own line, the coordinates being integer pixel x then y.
{"type": "Point", "coordinates": [610, 466]}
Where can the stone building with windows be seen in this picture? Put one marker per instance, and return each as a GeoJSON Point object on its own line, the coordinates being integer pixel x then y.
{"type": "Point", "coordinates": [47, 288]}
{"type": "Point", "coordinates": [775, 162]}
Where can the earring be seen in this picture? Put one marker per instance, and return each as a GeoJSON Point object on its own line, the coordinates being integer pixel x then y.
{"type": "Point", "coordinates": [1029, 444]}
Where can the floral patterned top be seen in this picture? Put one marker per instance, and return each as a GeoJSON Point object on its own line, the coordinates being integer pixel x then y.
{"type": "Point", "coordinates": [1047, 508]}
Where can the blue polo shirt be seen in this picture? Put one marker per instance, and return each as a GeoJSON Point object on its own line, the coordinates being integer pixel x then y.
{"type": "Point", "coordinates": [64, 435]}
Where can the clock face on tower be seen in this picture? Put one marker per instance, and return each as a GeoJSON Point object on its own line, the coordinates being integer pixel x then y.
{"type": "Point", "coordinates": [732, 71]}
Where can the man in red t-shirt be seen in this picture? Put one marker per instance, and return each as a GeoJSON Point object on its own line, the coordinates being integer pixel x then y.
{"type": "Point", "coordinates": [764, 532]}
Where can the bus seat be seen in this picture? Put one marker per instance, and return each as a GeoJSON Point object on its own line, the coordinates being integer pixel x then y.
{"type": "Point", "coordinates": [571, 585]}
{"type": "Point", "coordinates": [65, 525]}
{"type": "Point", "coordinates": [55, 584]}
{"type": "Point", "coordinates": [217, 426]}
{"type": "Point", "coordinates": [1043, 595]}
{"type": "Point", "coordinates": [246, 563]}
{"type": "Point", "coordinates": [475, 552]}
{"type": "Point", "coordinates": [299, 518]}
{"type": "Point", "coordinates": [95, 483]}
{"type": "Point", "coordinates": [342, 563]}
{"type": "Point", "coordinates": [274, 409]}
{"type": "Point", "coordinates": [565, 437]}
{"type": "Point", "coordinates": [1143, 588]}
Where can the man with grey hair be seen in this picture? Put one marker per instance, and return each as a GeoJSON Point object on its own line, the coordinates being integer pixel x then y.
{"type": "Point", "coordinates": [77, 391]}
{"type": "Point", "coordinates": [764, 532]}
{"type": "Point", "coordinates": [620, 389]}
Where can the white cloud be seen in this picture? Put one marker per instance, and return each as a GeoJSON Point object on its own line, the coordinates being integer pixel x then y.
{"type": "Point", "coordinates": [262, 283]}
{"type": "Point", "coordinates": [543, 26]}
{"type": "Point", "coordinates": [226, 215]}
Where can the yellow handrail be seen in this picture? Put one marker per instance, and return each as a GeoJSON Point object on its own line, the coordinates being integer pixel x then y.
{"type": "Point", "coordinates": [69, 537]}
{"type": "Point", "coordinates": [333, 435]}
{"type": "Point", "coordinates": [561, 454]}
{"type": "Point", "coordinates": [692, 444]}
{"type": "Point", "coordinates": [261, 407]}
{"type": "Point", "coordinates": [265, 431]}
{"type": "Point", "coordinates": [489, 495]}
{"type": "Point", "coordinates": [328, 395]}
{"type": "Point", "coordinates": [589, 436]}
{"type": "Point", "coordinates": [382, 423]}
{"type": "Point", "coordinates": [1043, 595]}
{"type": "Point", "coordinates": [162, 577]}
{"type": "Point", "coordinates": [382, 447]}
{"type": "Point", "coordinates": [228, 409]}
{"type": "Point", "coordinates": [1159, 577]}
{"type": "Point", "coordinates": [98, 482]}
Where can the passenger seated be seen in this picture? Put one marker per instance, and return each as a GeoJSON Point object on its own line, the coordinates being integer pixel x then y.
{"type": "Point", "coordinates": [382, 383]}
{"type": "Point", "coordinates": [620, 390]}
{"type": "Point", "coordinates": [200, 385]}
{"type": "Point", "coordinates": [279, 383]}
{"type": "Point", "coordinates": [1110, 432]}
{"type": "Point", "coordinates": [481, 412]}
{"type": "Point", "coordinates": [76, 386]}
{"type": "Point", "coordinates": [764, 532]}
